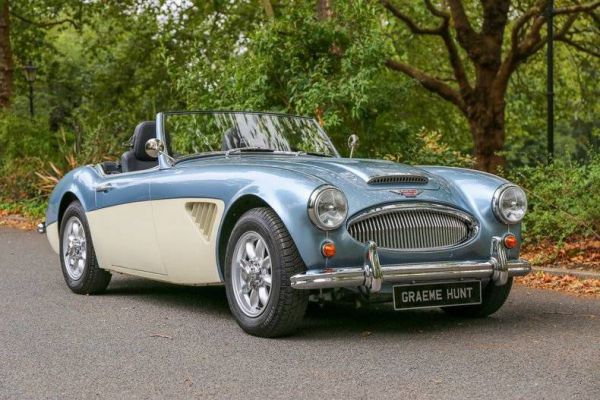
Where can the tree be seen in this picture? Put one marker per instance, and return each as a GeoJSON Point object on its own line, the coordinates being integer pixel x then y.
{"type": "Point", "coordinates": [483, 59]}
{"type": "Point", "coordinates": [6, 63]}
{"type": "Point", "coordinates": [19, 11]}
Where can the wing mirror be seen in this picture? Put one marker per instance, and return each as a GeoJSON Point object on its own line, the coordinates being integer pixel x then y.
{"type": "Point", "coordinates": [154, 147]}
{"type": "Point", "coordinates": [352, 143]}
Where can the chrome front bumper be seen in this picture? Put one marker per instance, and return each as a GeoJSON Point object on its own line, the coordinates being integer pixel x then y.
{"type": "Point", "coordinates": [372, 274]}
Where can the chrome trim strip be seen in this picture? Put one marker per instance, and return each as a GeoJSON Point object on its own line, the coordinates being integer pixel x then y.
{"type": "Point", "coordinates": [372, 275]}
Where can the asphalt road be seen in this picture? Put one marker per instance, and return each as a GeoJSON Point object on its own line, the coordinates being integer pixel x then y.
{"type": "Point", "coordinates": [150, 340]}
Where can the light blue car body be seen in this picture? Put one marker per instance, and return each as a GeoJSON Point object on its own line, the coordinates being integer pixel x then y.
{"type": "Point", "coordinates": [284, 183]}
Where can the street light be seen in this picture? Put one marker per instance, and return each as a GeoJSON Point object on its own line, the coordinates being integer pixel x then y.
{"type": "Point", "coordinates": [30, 75]}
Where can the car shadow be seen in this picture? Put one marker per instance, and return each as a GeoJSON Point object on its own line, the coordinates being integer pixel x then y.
{"type": "Point", "coordinates": [340, 320]}
{"type": "Point", "coordinates": [327, 322]}
{"type": "Point", "coordinates": [209, 299]}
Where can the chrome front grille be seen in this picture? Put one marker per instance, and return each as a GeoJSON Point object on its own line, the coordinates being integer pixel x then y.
{"type": "Point", "coordinates": [398, 178]}
{"type": "Point", "coordinates": [417, 226]}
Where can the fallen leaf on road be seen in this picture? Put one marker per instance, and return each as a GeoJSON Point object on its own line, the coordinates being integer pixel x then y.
{"type": "Point", "coordinates": [567, 283]}
{"type": "Point", "coordinates": [15, 220]}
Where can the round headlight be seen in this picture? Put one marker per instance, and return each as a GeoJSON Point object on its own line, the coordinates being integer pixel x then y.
{"type": "Point", "coordinates": [509, 204]}
{"type": "Point", "coordinates": [327, 207]}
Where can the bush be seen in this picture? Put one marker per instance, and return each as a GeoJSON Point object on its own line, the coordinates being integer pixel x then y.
{"type": "Point", "coordinates": [33, 158]}
{"type": "Point", "coordinates": [563, 200]}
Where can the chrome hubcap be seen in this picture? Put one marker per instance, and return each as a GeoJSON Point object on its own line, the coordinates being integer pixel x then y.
{"type": "Point", "coordinates": [74, 248]}
{"type": "Point", "coordinates": [251, 273]}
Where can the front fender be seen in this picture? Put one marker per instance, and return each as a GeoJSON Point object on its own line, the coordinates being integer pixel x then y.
{"type": "Point", "coordinates": [477, 189]}
{"type": "Point", "coordinates": [79, 183]}
{"type": "Point", "coordinates": [289, 199]}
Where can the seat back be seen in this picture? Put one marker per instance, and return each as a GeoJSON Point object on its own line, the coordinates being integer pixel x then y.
{"type": "Point", "coordinates": [136, 159]}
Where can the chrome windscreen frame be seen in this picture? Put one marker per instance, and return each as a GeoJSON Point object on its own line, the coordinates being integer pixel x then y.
{"type": "Point", "coordinates": [471, 222]}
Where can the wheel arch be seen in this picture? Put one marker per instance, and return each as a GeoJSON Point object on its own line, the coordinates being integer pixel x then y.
{"type": "Point", "coordinates": [241, 205]}
{"type": "Point", "coordinates": [67, 198]}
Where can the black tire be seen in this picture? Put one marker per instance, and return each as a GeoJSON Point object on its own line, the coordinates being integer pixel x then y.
{"type": "Point", "coordinates": [492, 298]}
{"type": "Point", "coordinates": [286, 306]}
{"type": "Point", "coordinates": [93, 280]}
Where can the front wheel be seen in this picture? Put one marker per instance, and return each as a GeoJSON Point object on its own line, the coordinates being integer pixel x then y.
{"type": "Point", "coordinates": [260, 260]}
{"type": "Point", "coordinates": [492, 298]}
{"type": "Point", "coordinates": [77, 257]}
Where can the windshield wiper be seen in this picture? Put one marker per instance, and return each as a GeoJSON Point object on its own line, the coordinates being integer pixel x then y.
{"type": "Point", "coordinates": [310, 153]}
{"type": "Point", "coordinates": [247, 149]}
{"type": "Point", "coordinates": [237, 150]}
{"type": "Point", "coordinates": [197, 155]}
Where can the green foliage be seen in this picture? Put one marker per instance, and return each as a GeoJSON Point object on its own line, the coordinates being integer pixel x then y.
{"type": "Point", "coordinates": [22, 142]}
{"type": "Point", "coordinates": [33, 208]}
{"type": "Point", "coordinates": [563, 199]}
{"type": "Point", "coordinates": [577, 126]}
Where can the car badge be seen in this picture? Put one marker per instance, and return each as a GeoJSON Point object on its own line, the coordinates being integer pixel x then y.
{"type": "Point", "coordinates": [408, 193]}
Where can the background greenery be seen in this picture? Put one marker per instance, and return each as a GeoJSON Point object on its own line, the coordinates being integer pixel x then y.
{"type": "Point", "coordinates": [121, 62]}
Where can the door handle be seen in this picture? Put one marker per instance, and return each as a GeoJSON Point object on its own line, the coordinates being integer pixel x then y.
{"type": "Point", "coordinates": [105, 187]}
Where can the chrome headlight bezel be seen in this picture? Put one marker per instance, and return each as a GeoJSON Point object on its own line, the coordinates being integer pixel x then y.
{"type": "Point", "coordinates": [497, 200]}
{"type": "Point", "coordinates": [313, 203]}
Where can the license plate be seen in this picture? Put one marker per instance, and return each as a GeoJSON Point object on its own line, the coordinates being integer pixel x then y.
{"type": "Point", "coordinates": [437, 295]}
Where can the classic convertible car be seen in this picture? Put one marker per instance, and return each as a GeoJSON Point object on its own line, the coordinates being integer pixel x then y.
{"type": "Point", "coordinates": [264, 204]}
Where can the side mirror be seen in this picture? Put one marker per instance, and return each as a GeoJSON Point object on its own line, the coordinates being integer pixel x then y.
{"type": "Point", "coordinates": [154, 147]}
{"type": "Point", "coordinates": [352, 143]}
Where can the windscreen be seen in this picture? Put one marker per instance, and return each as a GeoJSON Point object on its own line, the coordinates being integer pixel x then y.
{"type": "Point", "coordinates": [205, 132]}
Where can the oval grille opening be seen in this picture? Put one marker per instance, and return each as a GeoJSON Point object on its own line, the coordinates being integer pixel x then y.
{"type": "Point", "coordinates": [400, 178]}
{"type": "Point", "coordinates": [416, 228]}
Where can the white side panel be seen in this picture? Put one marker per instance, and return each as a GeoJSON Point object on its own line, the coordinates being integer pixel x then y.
{"type": "Point", "coordinates": [52, 235]}
{"type": "Point", "coordinates": [124, 236]}
{"type": "Point", "coordinates": [187, 238]}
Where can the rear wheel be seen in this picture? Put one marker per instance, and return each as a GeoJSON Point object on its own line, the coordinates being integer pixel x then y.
{"type": "Point", "coordinates": [492, 298]}
{"type": "Point", "coordinates": [260, 260]}
{"type": "Point", "coordinates": [77, 257]}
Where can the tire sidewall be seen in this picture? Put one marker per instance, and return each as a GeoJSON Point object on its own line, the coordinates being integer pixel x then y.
{"type": "Point", "coordinates": [258, 225]}
{"type": "Point", "coordinates": [76, 210]}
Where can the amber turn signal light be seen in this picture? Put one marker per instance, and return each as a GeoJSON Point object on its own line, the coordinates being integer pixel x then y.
{"type": "Point", "coordinates": [510, 241]}
{"type": "Point", "coordinates": [328, 249]}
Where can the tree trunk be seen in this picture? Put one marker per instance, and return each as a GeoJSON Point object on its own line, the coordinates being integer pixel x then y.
{"type": "Point", "coordinates": [6, 64]}
{"type": "Point", "coordinates": [487, 129]}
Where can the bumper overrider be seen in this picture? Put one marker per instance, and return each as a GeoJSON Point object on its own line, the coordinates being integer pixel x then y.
{"type": "Point", "coordinates": [372, 275]}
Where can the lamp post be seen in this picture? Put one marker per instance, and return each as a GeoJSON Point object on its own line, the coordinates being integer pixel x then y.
{"type": "Point", "coordinates": [30, 75]}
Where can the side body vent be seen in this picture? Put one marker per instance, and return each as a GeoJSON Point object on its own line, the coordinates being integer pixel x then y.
{"type": "Point", "coordinates": [398, 178]}
{"type": "Point", "coordinates": [203, 214]}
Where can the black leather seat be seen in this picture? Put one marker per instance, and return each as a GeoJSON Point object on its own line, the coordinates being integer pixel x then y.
{"type": "Point", "coordinates": [136, 158]}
